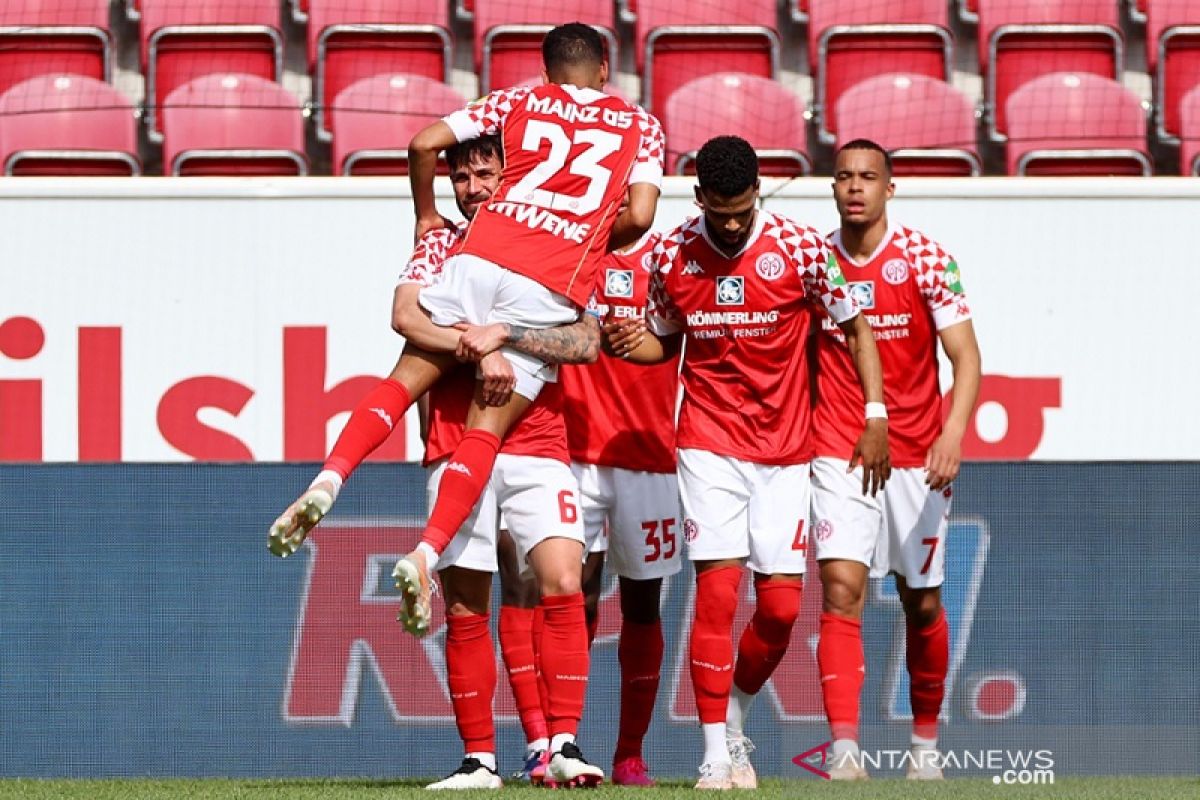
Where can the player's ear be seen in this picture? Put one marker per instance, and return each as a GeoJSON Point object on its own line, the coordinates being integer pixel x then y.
{"type": "Point", "coordinates": [603, 73]}
{"type": "Point", "coordinates": [699, 195]}
{"type": "Point", "coordinates": [545, 75]}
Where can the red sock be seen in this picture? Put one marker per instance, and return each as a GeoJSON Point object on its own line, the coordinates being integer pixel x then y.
{"type": "Point", "coordinates": [842, 666]}
{"type": "Point", "coordinates": [640, 653]}
{"type": "Point", "coordinates": [928, 662]}
{"type": "Point", "coordinates": [471, 673]}
{"type": "Point", "coordinates": [766, 638]}
{"type": "Point", "coordinates": [463, 480]}
{"type": "Point", "coordinates": [369, 426]}
{"type": "Point", "coordinates": [564, 660]}
{"type": "Point", "coordinates": [537, 629]}
{"type": "Point", "coordinates": [516, 646]}
{"type": "Point", "coordinates": [711, 648]}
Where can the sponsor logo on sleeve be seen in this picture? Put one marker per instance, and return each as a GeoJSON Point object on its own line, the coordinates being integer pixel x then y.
{"type": "Point", "coordinates": [953, 278]}
{"type": "Point", "coordinates": [833, 272]}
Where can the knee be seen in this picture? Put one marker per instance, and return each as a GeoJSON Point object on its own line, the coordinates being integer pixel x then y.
{"type": "Point", "coordinates": [842, 598]}
{"type": "Point", "coordinates": [778, 604]}
{"type": "Point", "coordinates": [561, 583]}
{"type": "Point", "coordinates": [464, 609]}
{"type": "Point", "coordinates": [922, 607]}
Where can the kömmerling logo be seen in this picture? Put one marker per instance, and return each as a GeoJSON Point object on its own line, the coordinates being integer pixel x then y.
{"type": "Point", "coordinates": [1008, 767]}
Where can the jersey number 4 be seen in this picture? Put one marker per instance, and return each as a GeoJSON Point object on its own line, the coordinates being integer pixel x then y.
{"type": "Point", "coordinates": [586, 164]}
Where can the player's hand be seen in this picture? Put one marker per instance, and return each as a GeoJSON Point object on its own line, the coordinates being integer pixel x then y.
{"type": "Point", "coordinates": [943, 461]}
{"type": "Point", "coordinates": [479, 340]}
{"type": "Point", "coordinates": [499, 380]}
{"type": "Point", "coordinates": [872, 452]}
{"type": "Point", "coordinates": [427, 224]}
{"type": "Point", "coordinates": [620, 338]}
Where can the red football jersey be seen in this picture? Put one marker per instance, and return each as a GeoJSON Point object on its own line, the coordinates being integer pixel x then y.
{"type": "Point", "coordinates": [909, 290]}
{"type": "Point", "coordinates": [746, 319]}
{"type": "Point", "coordinates": [570, 154]}
{"type": "Point", "coordinates": [541, 431]}
{"type": "Point", "coordinates": [621, 414]}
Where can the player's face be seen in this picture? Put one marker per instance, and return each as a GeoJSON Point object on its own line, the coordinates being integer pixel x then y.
{"type": "Point", "coordinates": [729, 219]}
{"type": "Point", "coordinates": [861, 186]}
{"type": "Point", "coordinates": [474, 183]}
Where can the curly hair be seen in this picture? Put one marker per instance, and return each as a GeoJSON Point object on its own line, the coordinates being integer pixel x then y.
{"type": "Point", "coordinates": [727, 166]}
{"type": "Point", "coordinates": [484, 147]}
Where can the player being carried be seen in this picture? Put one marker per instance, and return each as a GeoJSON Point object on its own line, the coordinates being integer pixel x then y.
{"type": "Point", "coordinates": [910, 291]}
{"type": "Point", "coordinates": [744, 286]}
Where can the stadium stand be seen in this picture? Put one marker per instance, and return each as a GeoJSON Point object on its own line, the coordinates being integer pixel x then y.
{"type": "Point", "coordinates": [852, 40]}
{"type": "Point", "coordinates": [1173, 58]}
{"type": "Point", "coordinates": [1076, 123]}
{"type": "Point", "coordinates": [1020, 40]}
{"type": "Point", "coordinates": [182, 41]}
{"type": "Point", "coordinates": [54, 37]}
{"type": "Point", "coordinates": [67, 125]}
{"type": "Point", "coordinates": [764, 112]}
{"type": "Point", "coordinates": [926, 124]}
{"type": "Point", "coordinates": [231, 124]}
{"type": "Point", "coordinates": [1189, 153]}
{"type": "Point", "coordinates": [373, 120]}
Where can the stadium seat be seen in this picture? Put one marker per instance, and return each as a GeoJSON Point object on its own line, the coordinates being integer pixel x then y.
{"type": "Point", "coordinates": [679, 40]}
{"type": "Point", "coordinates": [926, 124]}
{"type": "Point", "coordinates": [349, 40]}
{"type": "Point", "coordinates": [508, 35]}
{"type": "Point", "coordinates": [1137, 10]}
{"type": "Point", "coordinates": [1076, 123]}
{"type": "Point", "coordinates": [133, 10]}
{"type": "Point", "coordinates": [1020, 40]}
{"type": "Point", "coordinates": [67, 125]}
{"type": "Point", "coordinates": [464, 9]}
{"type": "Point", "coordinates": [54, 37]}
{"type": "Point", "coordinates": [231, 124]}
{"type": "Point", "coordinates": [799, 10]}
{"type": "Point", "coordinates": [758, 109]}
{"type": "Point", "coordinates": [968, 10]}
{"type": "Point", "coordinates": [852, 40]}
{"type": "Point", "coordinates": [182, 41]}
{"type": "Point", "coordinates": [1189, 150]}
{"type": "Point", "coordinates": [374, 119]}
{"type": "Point", "coordinates": [1173, 56]}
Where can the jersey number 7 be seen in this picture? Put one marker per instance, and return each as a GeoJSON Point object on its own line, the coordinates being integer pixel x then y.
{"type": "Point", "coordinates": [586, 165]}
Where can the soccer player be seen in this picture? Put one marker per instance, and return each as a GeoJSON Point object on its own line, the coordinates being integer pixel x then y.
{"type": "Point", "coordinates": [910, 292]}
{"type": "Point", "coordinates": [621, 430]}
{"type": "Point", "coordinates": [530, 256]}
{"type": "Point", "coordinates": [744, 286]}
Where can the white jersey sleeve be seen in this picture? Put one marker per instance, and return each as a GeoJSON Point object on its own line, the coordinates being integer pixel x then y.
{"type": "Point", "coordinates": [485, 116]}
{"type": "Point", "coordinates": [938, 279]}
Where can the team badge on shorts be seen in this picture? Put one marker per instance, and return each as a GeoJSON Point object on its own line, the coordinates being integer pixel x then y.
{"type": "Point", "coordinates": [863, 293]}
{"type": "Point", "coordinates": [731, 290]}
{"type": "Point", "coordinates": [690, 530]}
{"type": "Point", "coordinates": [895, 271]}
{"type": "Point", "coordinates": [769, 266]}
{"type": "Point", "coordinates": [619, 283]}
{"type": "Point", "coordinates": [824, 529]}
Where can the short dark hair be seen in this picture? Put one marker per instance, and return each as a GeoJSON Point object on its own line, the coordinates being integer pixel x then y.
{"type": "Point", "coordinates": [867, 144]}
{"type": "Point", "coordinates": [572, 45]}
{"type": "Point", "coordinates": [727, 165]}
{"type": "Point", "coordinates": [484, 147]}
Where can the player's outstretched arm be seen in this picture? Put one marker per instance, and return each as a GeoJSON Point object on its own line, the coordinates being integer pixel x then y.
{"type": "Point", "coordinates": [410, 321]}
{"type": "Point", "coordinates": [945, 457]}
{"type": "Point", "coordinates": [576, 343]}
{"type": "Point", "coordinates": [637, 216]}
{"type": "Point", "coordinates": [872, 447]}
{"type": "Point", "coordinates": [631, 340]}
{"type": "Point", "coordinates": [423, 153]}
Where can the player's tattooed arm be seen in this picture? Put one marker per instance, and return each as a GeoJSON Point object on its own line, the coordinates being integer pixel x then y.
{"type": "Point", "coordinates": [576, 343]}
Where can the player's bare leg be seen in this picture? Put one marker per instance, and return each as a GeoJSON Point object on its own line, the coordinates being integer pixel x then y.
{"type": "Point", "coordinates": [593, 584]}
{"type": "Point", "coordinates": [563, 657]}
{"type": "Point", "coordinates": [471, 676]}
{"type": "Point", "coordinates": [369, 426]}
{"type": "Point", "coordinates": [640, 653]}
{"type": "Point", "coordinates": [928, 657]}
{"type": "Point", "coordinates": [462, 483]}
{"type": "Point", "coordinates": [841, 663]}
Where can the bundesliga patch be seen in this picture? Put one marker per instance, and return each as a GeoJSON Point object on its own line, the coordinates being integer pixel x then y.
{"type": "Point", "coordinates": [731, 290]}
{"type": "Point", "coordinates": [619, 283]}
{"type": "Point", "coordinates": [863, 293]}
{"type": "Point", "coordinates": [895, 271]}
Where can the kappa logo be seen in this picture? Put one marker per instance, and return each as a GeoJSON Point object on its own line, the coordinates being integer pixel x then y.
{"type": "Point", "coordinates": [769, 266]}
{"type": "Point", "coordinates": [895, 271]}
{"type": "Point", "coordinates": [863, 293]}
{"type": "Point", "coordinates": [619, 283]}
{"type": "Point", "coordinates": [692, 267]}
{"type": "Point", "coordinates": [731, 290]}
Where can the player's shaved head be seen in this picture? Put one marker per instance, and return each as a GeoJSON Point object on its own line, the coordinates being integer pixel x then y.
{"type": "Point", "coordinates": [573, 46]}
{"type": "Point", "coordinates": [483, 148]}
{"type": "Point", "coordinates": [727, 166]}
{"type": "Point", "coordinates": [867, 144]}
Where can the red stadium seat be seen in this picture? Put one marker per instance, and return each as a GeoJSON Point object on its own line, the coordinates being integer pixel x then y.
{"type": "Point", "coordinates": [182, 41]}
{"type": "Point", "coordinates": [508, 35]}
{"type": "Point", "coordinates": [1189, 150]}
{"type": "Point", "coordinates": [464, 9]}
{"type": "Point", "coordinates": [133, 10]}
{"type": "Point", "coordinates": [1076, 123]}
{"type": "Point", "coordinates": [968, 10]}
{"type": "Point", "coordinates": [1137, 10]}
{"type": "Point", "coordinates": [926, 124]}
{"type": "Point", "coordinates": [67, 125]}
{"type": "Point", "coordinates": [852, 40]}
{"type": "Point", "coordinates": [799, 10]}
{"type": "Point", "coordinates": [374, 120]}
{"type": "Point", "coordinates": [349, 40]}
{"type": "Point", "coordinates": [53, 37]}
{"type": "Point", "coordinates": [299, 11]}
{"type": "Point", "coordinates": [758, 109]}
{"type": "Point", "coordinates": [1020, 40]}
{"type": "Point", "coordinates": [230, 124]}
{"type": "Point", "coordinates": [679, 40]}
{"type": "Point", "coordinates": [1173, 56]}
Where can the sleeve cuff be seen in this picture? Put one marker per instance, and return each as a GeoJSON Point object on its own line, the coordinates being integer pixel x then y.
{"type": "Point", "coordinates": [463, 125]}
{"type": "Point", "coordinates": [646, 173]}
{"type": "Point", "coordinates": [948, 316]}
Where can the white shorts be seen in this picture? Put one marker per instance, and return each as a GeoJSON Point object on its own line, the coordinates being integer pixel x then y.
{"type": "Point", "coordinates": [539, 500]}
{"type": "Point", "coordinates": [635, 516]}
{"type": "Point", "coordinates": [480, 292]}
{"type": "Point", "coordinates": [902, 530]}
{"type": "Point", "coordinates": [739, 509]}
